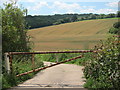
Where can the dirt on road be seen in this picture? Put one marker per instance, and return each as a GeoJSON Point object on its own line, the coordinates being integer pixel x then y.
{"type": "Point", "coordinates": [63, 75]}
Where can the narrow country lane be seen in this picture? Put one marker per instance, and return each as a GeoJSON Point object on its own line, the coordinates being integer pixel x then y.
{"type": "Point", "coordinates": [60, 76]}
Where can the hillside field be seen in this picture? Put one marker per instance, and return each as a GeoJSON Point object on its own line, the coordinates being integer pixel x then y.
{"type": "Point", "coordinates": [71, 36]}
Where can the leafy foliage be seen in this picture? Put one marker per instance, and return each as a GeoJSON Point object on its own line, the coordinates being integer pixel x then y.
{"type": "Point", "coordinates": [103, 70]}
{"type": "Point", "coordinates": [14, 38]}
{"type": "Point", "coordinates": [38, 21]}
{"type": "Point", "coordinates": [116, 28]}
{"type": "Point", "coordinates": [118, 13]}
{"type": "Point", "coordinates": [13, 29]}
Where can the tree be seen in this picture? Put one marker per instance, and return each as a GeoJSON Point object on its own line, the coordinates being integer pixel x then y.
{"type": "Point", "coordinates": [74, 18]}
{"type": "Point", "coordinates": [118, 13]}
{"type": "Point", "coordinates": [92, 16]}
{"type": "Point", "coordinates": [14, 29]}
{"type": "Point", "coordinates": [67, 19]}
{"type": "Point", "coordinates": [102, 16]}
{"type": "Point", "coordinates": [59, 21]}
{"type": "Point", "coordinates": [111, 15]}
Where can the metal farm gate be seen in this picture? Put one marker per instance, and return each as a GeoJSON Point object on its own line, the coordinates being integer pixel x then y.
{"type": "Point", "coordinates": [9, 56]}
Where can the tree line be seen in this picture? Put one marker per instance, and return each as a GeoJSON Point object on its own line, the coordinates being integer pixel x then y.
{"type": "Point", "coordinates": [38, 21]}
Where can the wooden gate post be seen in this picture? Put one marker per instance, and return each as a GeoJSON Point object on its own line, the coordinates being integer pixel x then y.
{"type": "Point", "coordinates": [33, 62]}
{"type": "Point", "coordinates": [57, 58]}
{"type": "Point", "coordinates": [7, 63]}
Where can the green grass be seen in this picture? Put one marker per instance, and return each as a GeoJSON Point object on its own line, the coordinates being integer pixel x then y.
{"type": "Point", "coordinates": [21, 66]}
{"type": "Point", "coordinates": [64, 56]}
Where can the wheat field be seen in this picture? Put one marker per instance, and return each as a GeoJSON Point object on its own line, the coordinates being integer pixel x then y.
{"type": "Point", "coordinates": [71, 36]}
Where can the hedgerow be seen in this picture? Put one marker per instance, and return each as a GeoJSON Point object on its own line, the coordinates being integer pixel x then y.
{"type": "Point", "coordinates": [103, 70]}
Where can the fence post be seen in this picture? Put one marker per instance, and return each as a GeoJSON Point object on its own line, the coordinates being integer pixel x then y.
{"type": "Point", "coordinates": [57, 58]}
{"type": "Point", "coordinates": [11, 67]}
{"type": "Point", "coordinates": [7, 63]}
{"type": "Point", "coordinates": [33, 61]}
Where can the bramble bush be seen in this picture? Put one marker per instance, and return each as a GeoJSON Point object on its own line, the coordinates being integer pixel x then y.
{"type": "Point", "coordinates": [103, 71]}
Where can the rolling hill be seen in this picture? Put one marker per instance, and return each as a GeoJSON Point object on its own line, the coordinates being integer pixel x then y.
{"type": "Point", "coordinates": [71, 36]}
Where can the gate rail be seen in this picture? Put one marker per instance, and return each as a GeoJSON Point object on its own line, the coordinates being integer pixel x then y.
{"type": "Point", "coordinates": [48, 52]}
{"type": "Point", "coordinates": [9, 55]}
{"type": "Point", "coordinates": [35, 70]}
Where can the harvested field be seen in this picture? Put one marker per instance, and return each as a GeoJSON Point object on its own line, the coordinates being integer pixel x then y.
{"type": "Point", "coordinates": [76, 35]}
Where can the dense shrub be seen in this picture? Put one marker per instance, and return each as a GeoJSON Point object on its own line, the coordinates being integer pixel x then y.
{"type": "Point", "coordinates": [115, 29]}
{"type": "Point", "coordinates": [102, 71]}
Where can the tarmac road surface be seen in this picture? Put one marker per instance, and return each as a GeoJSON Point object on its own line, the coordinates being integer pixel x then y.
{"type": "Point", "coordinates": [60, 76]}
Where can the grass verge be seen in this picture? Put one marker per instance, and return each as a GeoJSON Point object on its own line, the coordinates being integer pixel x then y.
{"type": "Point", "coordinates": [64, 56]}
{"type": "Point", "coordinates": [19, 66]}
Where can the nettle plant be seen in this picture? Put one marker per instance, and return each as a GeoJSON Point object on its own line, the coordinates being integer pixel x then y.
{"type": "Point", "coordinates": [103, 71]}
